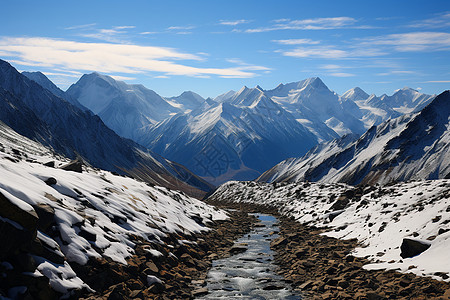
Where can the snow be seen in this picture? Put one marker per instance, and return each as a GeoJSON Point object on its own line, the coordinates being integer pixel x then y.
{"type": "Point", "coordinates": [114, 208]}
{"type": "Point", "coordinates": [417, 209]}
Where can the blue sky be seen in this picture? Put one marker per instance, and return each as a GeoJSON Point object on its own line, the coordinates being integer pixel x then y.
{"type": "Point", "coordinates": [211, 47]}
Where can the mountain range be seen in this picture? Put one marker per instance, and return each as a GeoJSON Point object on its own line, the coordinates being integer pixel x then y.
{"type": "Point", "coordinates": [238, 135]}
{"type": "Point", "coordinates": [415, 146]}
{"type": "Point", "coordinates": [37, 113]}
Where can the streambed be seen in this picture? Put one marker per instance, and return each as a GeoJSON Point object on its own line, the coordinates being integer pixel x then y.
{"type": "Point", "coordinates": [251, 273]}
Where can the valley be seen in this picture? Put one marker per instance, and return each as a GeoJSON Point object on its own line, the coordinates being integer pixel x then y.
{"type": "Point", "coordinates": [159, 202]}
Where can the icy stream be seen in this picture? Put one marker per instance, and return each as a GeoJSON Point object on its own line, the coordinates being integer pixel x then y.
{"type": "Point", "coordinates": [251, 274]}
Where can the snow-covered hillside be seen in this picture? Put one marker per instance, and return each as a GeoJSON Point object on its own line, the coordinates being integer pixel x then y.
{"type": "Point", "coordinates": [379, 217]}
{"type": "Point", "coordinates": [414, 146]}
{"type": "Point", "coordinates": [37, 113]}
{"type": "Point", "coordinates": [72, 217]}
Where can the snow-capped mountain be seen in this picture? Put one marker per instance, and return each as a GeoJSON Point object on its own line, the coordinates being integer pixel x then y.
{"type": "Point", "coordinates": [187, 101]}
{"type": "Point", "coordinates": [414, 146]}
{"type": "Point", "coordinates": [125, 108]}
{"type": "Point", "coordinates": [233, 139]}
{"type": "Point", "coordinates": [38, 114]}
{"type": "Point", "coordinates": [312, 103]}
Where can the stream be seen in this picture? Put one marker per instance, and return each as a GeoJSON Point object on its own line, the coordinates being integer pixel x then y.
{"type": "Point", "coordinates": [250, 274]}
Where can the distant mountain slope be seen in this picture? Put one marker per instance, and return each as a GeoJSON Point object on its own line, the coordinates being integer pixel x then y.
{"type": "Point", "coordinates": [414, 146]}
{"type": "Point", "coordinates": [46, 83]}
{"type": "Point", "coordinates": [37, 113]}
{"type": "Point", "coordinates": [234, 139]}
{"type": "Point", "coordinates": [123, 107]}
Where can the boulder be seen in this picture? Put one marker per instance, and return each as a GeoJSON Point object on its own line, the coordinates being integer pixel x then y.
{"type": "Point", "coordinates": [413, 247]}
{"type": "Point", "coordinates": [18, 212]}
{"type": "Point", "coordinates": [75, 166]}
{"type": "Point", "coordinates": [50, 181]}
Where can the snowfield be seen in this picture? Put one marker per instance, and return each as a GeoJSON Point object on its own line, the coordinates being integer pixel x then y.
{"type": "Point", "coordinates": [378, 217]}
{"type": "Point", "coordinates": [96, 214]}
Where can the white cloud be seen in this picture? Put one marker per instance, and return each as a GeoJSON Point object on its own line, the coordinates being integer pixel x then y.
{"type": "Point", "coordinates": [332, 67]}
{"type": "Point", "coordinates": [438, 81]}
{"type": "Point", "coordinates": [181, 27]}
{"type": "Point", "coordinates": [147, 32]}
{"type": "Point", "coordinates": [123, 27]}
{"type": "Point", "coordinates": [413, 41]}
{"type": "Point", "coordinates": [115, 34]}
{"type": "Point", "coordinates": [316, 52]}
{"type": "Point", "coordinates": [438, 21]}
{"type": "Point", "coordinates": [296, 42]}
{"type": "Point", "coordinates": [233, 23]}
{"type": "Point", "coordinates": [110, 58]}
{"type": "Point", "coordinates": [396, 72]}
{"type": "Point", "coordinates": [341, 74]}
{"type": "Point", "coordinates": [307, 24]}
{"type": "Point", "coordinates": [84, 26]}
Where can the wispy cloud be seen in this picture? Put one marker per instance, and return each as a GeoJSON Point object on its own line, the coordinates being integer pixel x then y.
{"type": "Point", "coordinates": [296, 42]}
{"type": "Point", "coordinates": [438, 81]}
{"type": "Point", "coordinates": [330, 52]}
{"type": "Point", "coordinates": [114, 34]}
{"type": "Point", "coordinates": [148, 32]}
{"type": "Point", "coordinates": [233, 23]}
{"type": "Point", "coordinates": [123, 27]}
{"type": "Point", "coordinates": [438, 21]}
{"type": "Point", "coordinates": [397, 72]}
{"type": "Point", "coordinates": [341, 74]}
{"type": "Point", "coordinates": [84, 26]}
{"type": "Point", "coordinates": [307, 24]}
{"type": "Point", "coordinates": [336, 70]}
{"type": "Point", "coordinates": [181, 28]}
{"type": "Point", "coordinates": [413, 41]}
{"type": "Point", "coordinates": [111, 58]}
{"type": "Point", "coordinates": [369, 47]}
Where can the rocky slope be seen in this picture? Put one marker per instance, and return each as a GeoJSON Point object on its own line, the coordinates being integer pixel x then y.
{"type": "Point", "coordinates": [403, 227]}
{"type": "Point", "coordinates": [414, 146]}
{"type": "Point", "coordinates": [67, 229]}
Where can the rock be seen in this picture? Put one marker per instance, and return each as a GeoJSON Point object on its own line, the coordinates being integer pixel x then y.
{"type": "Point", "coordinates": [306, 285]}
{"type": "Point", "coordinates": [199, 292]}
{"type": "Point", "coordinates": [51, 181]}
{"type": "Point", "coordinates": [11, 211]}
{"type": "Point", "coordinates": [279, 242]}
{"type": "Point", "coordinates": [88, 235]}
{"type": "Point", "coordinates": [413, 247]}
{"type": "Point", "coordinates": [50, 164]}
{"type": "Point", "coordinates": [151, 265]}
{"type": "Point", "coordinates": [75, 166]}
{"type": "Point", "coordinates": [340, 203]}
{"type": "Point", "coordinates": [238, 249]}
{"type": "Point", "coordinates": [46, 215]}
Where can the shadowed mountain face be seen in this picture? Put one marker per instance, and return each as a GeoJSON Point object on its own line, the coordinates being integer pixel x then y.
{"type": "Point", "coordinates": [414, 146]}
{"type": "Point", "coordinates": [37, 113]}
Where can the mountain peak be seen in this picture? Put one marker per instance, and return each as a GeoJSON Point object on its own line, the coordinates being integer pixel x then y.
{"type": "Point", "coordinates": [355, 93]}
{"type": "Point", "coordinates": [316, 82]}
